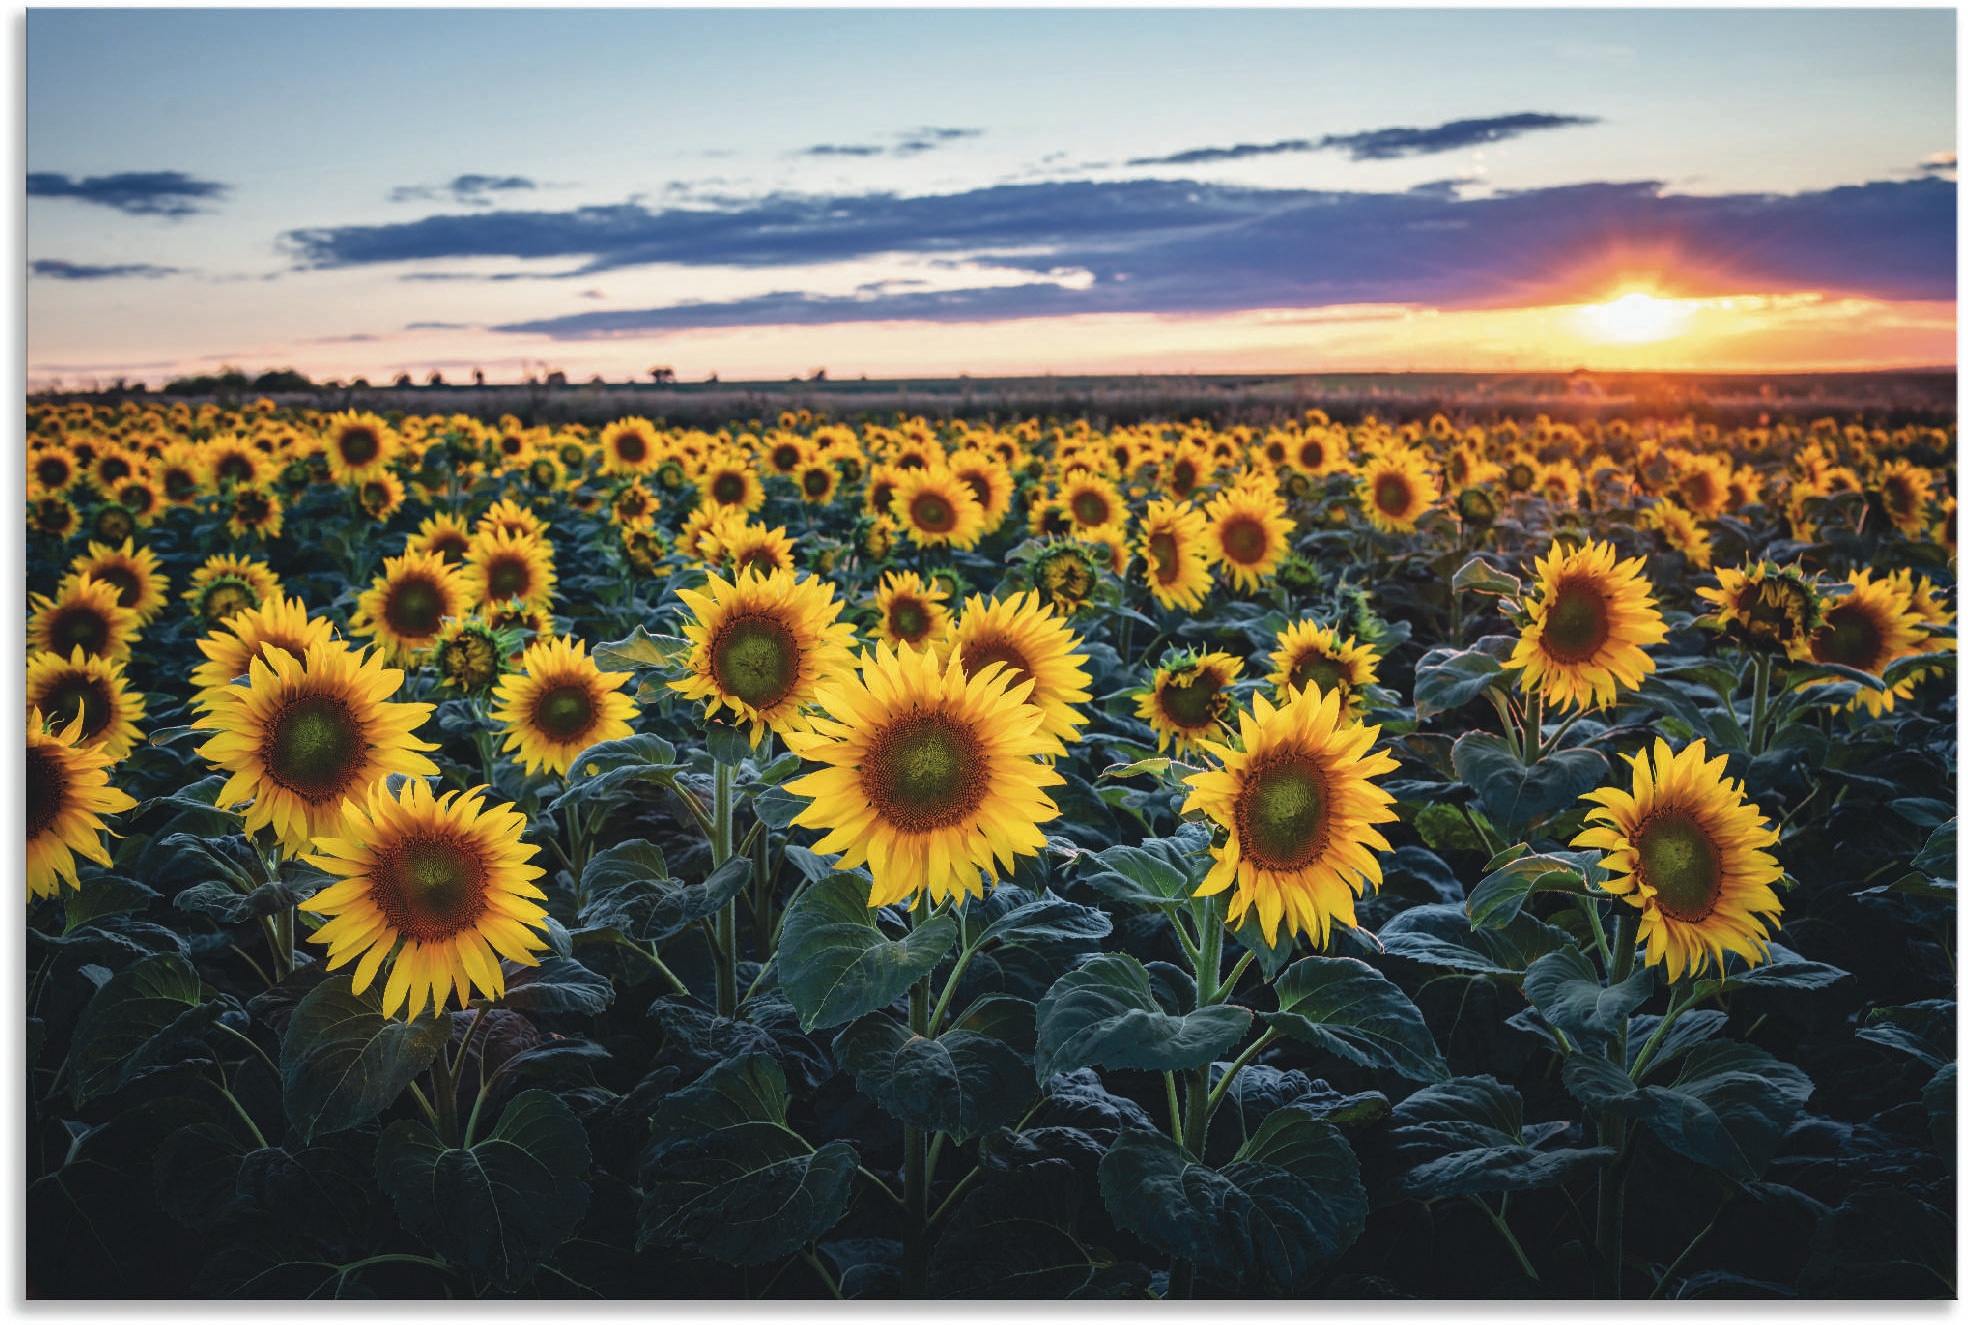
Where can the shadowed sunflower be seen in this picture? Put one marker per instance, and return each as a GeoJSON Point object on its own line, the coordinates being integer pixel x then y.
{"type": "Point", "coordinates": [989, 482]}
{"type": "Point", "coordinates": [1904, 490]}
{"type": "Point", "coordinates": [630, 446]}
{"type": "Point", "coordinates": [1066, 573]}
{"type": "Point", "coordinates": [229, 651]}
{"type": "Point", "coordinates": [633, 506]}
{"type": "Point", "coordinates": [85, 613]}
{"type": "Point", "coordinates": [1189, 701]}
{"type": "Point", "coordinates": [90, 689]}
{"type": "Point", "coordinates": [933, 778]}
{"type": "Point", "coordinates": [139, 496]}
{"type": "Point", "coordinates": [1396, 490]}
{"type": "Point", "coordinates": [68, 792]}
{"type": "Point", "coordinates": [1298, 804]}
{"type": "Point", "coordinates": [446, 877]}
{"type": "Point", "coordinates": [380, 496]}
{"type": "Point", "coordinates": [1702, 484]}
{"type": "Point", "coordinates": [360, 445]}
{"type": "Point", "coordinates": [911, 612]}
{"type": "Point", "coordinates": [817, 481]}
{"type": "Point", "coordinates": [253, 509]}
{"type": "Point", "coordinates": [510, 517]}
{"type": "Point", "coordinates": [1587, 628]}
{"type": "Point", "coordinates": [501, 565]}
{"type": "Point", "coordinates": [140, 584]}
{"type": "Point", "coordinates": [1869, 629]}
{"type": "Point", "coordinates": [467, 656]}
{"type": "Point", "coordinates": [53, 517]}
{"type": "Point", "coordinates": [1310, 656]}
{"type": "Point", "coordinates": [737, 545]}
{"type": "Point", "coordinates": [308, 732]}
{"type": "Point", "coordinates": [404, 608]}
{"type": "Point", "coordinates": [762, 645]}
{"type": "Point", "coordinates": [1680, 531]}
{"type": "Point", "coordinates": [1683, 848]}
{"type": "Point", "coordinates": [444, 534]}
{"type": "Point", "coordinates": [1247, 534]}
{"type": "Point", "coordinates": [936, 508]}
{"type": "Point", "coordinates": [559, 703]}
{"type": "Point", "coordinates": [1035, 645]}
{"type": "Point", "coordinates": [51, 470]}
{"type": "Point", "coordinates": [228, 584]}
{"type": "Point", "coordinates": [1767, 608]}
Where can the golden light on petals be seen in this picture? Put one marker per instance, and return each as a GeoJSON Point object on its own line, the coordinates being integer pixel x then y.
{"type": "Point", "coordinates": [1588, 627]}
{"type": "Point", "coordinates": [68, 792]}
{"type": "Point", "coordinates": [90, 690]}
{"type": "Point", "coordinates": [85, 614]}
{"type": "Point", "coordinates": [761, 645]}
{"type": "Point", "coordinates": [1310, 656]}
{"type": "Point", "coordinates": [404, 608]}
{"type": "Point", "coordinates": [559, 703]}
{"type": "Point", "coordinates": [1189, 699]}
{"type": "Point", "coordinates": [1035, 644]}
{"type": "Point", "coordinates": [1248, 534]}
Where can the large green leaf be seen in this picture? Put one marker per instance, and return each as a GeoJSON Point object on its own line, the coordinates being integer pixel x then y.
{"type": "Point", "coordinates": [1515, 794]}
{"type": "Point", "coordinates": [137, 1020]}
{"type": "Point", "coordinates": [1348, 1008]}
{"type": "Point", "coordinates": [1105, 1015]}
{"type": "Point", "coordinates": [1499, 898]}
{"type": "Point", "coordinates": [342, 1061]}
{"type": "Point", "coordinates": [1466, 1135]}
{"type": "Point", "coordinates": [835, 965]}
{"type": "Point", "coordinates": [501, 1207]}
{"type": "Point", "coordinates": [103, 895]}
{"type": "Point", "coordinates": [961, 1082]}
{"type": "Point", "coordinates": [1441, 935]}
{"type": "Point", "coordinates": [1042, 919]}
{"type": "Point", "coordinates": [628, 887]}
{"type": "Point", "coordinates": [558, 984]}
{"type": "Point", "coordinates": [1924, 1029]}
{"type": "Point", "coordinates": [1016, 1236]}
{"type": "Point", "coordinates": [1784, 969]}
{"type": "Point", "coordinates": [1446, 679]}
{"type": "Point", "coordinates": [1158, 871]}
{"type": "Point", "coordinates": [1564, 987]}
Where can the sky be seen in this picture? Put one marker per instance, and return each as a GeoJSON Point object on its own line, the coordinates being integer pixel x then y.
{"type": "Point", "coordinates": [892, 193]}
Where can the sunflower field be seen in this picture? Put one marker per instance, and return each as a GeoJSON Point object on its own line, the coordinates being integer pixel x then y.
{"type": "Point", "coordinates": [893, 858]}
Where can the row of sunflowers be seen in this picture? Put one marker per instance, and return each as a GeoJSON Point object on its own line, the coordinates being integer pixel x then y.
{"type": "Point", "coordinates": [1007, 822]}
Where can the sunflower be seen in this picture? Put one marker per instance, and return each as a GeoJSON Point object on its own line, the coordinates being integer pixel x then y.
{"type": "Point", "coordinates": [737, 545]}
{"type": "Point", "coordinates": [1904, 490]}
{"type": "Point", "coordinates": [1396, 490]}
{"type": "Point", "coordinates": [444, 534]}
{"type": "Point", "coordinates": [68, 792]}
{"type": "Point", "coordinates": [139, 496]}
{"type": "Point", "coordinates": [1174, 554]}
{"type": "Point", "coordinates": [817, 481]}
{"type": "Point", "coordinates": [1703, 485]}
{"type": "Point", "coordinates": [1065, 573]}
{"type": "Point", "coordinates": [92, 690]}
{"type": "Point", "coordinates": [446, 875]}
{"type": "Point", "coordinates": [559, 703]}
{"type": "Point", "coordinates": [633, 506]}
{"type": "Point", "coordinates": [360, 445]}
{"type": "Point", "coordinates": [762, 645]}
{"type": "Point", "coordinates": [1092, 501]}
{"type": "Point", "coordinates": [1189, 699]}
{"type": "Point", "coordinates": [630, 446]}
{"type": "Point", "coordinates": [785, 452]}
{"type": "Point", "coordinates": [911, 612]}
{"type": "Point", "coordinates": [1586, 630]}
{"type": "Point", "coordinates": [508, 516]}
{"type": "Point", "coordinates": [731, 483]}
{"type": "Point", "coordinates": [933, 779]}
{"type": "Point", "coordinates": [989, 481]}
{"type": "Point", "coordinates": [228, 462]}
{"type": "Point", "coordinates": [1680, 531]}
{"type": "Point", "coordinates": [141, 587]}
{"type": "Point", "coordinates": [1035, 645]}
{"type": "Point", "coordinates": [1683, 849]}
{"type": "Point", "coordinates": [54, 517]}
{"type": "Point", "coordinates": [278, 621]}
{"type": "Point", "coordinates": [51, 471]}
{"type": "Point", "coordinates": [468, 656]}
{"type": "Point", "coordinates": [404, 608]}
{"type": "Point", "coordinates": [86, 614]}
{"type": "Point", "coordinates": [1298, 805]}
{"type": "Point", "coordinates": [308, 732]}
{"type": "Point", "coordinates": [937, 508]}
{"type": "Point", "coordinates": [380, 496]}
{"type": "Point", "coordinates": [111, 466]}
{"type": "Point", "coordinates": [1187, 468]}
{"type": "Point", "coordinates": [502, 565]}
{"type": "Point", "coordinates": [1312, 657]}
{"type": "Point", "coordinates": [177, 474]}
{"type": "Point", "coordinates": [515, 619]}
{"type": "Point", "coordinates": [1764, 607]}
{"type": "Point", "coordinates": [1247, 534]}
{"type": "Point", "coordinates": [226, 584]}
{"type": "Point", "coordinates": [1869, 628]}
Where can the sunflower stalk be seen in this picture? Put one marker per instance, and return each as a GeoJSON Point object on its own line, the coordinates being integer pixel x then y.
{"type": "Point", "coordinates": [727, 921]}
{"type": "Point", "coordinates": [915, 1174]}
{"type": "Point", "coordinates": [1612, 1132]}
{"type": "Point", "coordinates": [1759, 714]}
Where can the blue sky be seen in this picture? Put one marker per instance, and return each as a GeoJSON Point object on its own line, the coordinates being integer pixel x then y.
{"type": "Point", "coordinates": [377, 190]}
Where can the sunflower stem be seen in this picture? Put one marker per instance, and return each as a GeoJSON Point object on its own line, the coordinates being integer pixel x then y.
{"type": "Point", "coordinates": [1175, 1108]}
{"type": "Point", "coordinates": [1612, 1132]}
{"type": "Point", "coordinates": [1676, 1005]}
{"type": "Point", "coordinates": [1759, 712]}
{"type": "Point", "coordinates": [915, 1174]}
{"type": "Point", "coordinates": [1667, 1276]}
{"type": "Point", "coordinates": [1222, 1087]}
{"type": "Point", "coordinates": [727, 921]}
{"type": "Point", "coordinates": [1502, 1226]}
{"type": "Point", "coordinates": [444, 1091]}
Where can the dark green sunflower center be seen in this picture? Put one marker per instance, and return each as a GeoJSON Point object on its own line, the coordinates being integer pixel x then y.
{"type": "Point", "coordinates": [932, 513]}
{"type": "Point", "coordinates": [573, 456]}
{"type": "Point", "coordinates": [415, 608]}
{"type": "Point", "coordinates": [1851, 638]}
{"type": "Point", "coordinates": [1280, 813]}
{"type": "Point", "coordinates": [375, 497]}
{"type": "Point", "coordinates": [1680, 860]}
{"type": "Point", "coordinates": [1068, 577]}
{"type": "Point", "coordinates": [113, 524]}
{"type": "Point", "coordinates": [982, 652]}
{"type": "Point", "coordinates": [925, 772]}
{"type": "Point", "coordinates": [1520, 477]}
{"type": "Point", "coordinates": [1091, 508]}
{"type": "Point", "coordinates": [632, 448]}
{"type": "Point", "coordinates": [359, 447]}
{"type": "Point", "coordinates": [47, 790]}
{"type": "Point", "coordinates": [541, 473]}
{"type": "Point", "coordinates": [73, 693]}
{"type": "Point", "coordinates": [78, 624]}
{"type": "Point", "coordinates": [1576, 624]}
{"type": "Point", "coordinates": [1244, 540]}
{"type": "Point", "coordinates": [51, 471]}
{"type": "Point", "coordinates": [785, 457]}
{"type": "Point", "coordinates": [1190, 700]}
{"type": "Point", "coordinates": [815, 482]}
{"type": "Point", "coordinates": [179, 483]}
{"type": "Point", "coordinates": [1393, 495]}
{"type": "Point", "coordinates": [1327, 673]}
{"type": "Point", "coordinates": [225, 598]}
{"type": "Point", "coordinates": [565, 712]}
{"type": "Point", "coordinates": [469, 661]}
{"type": "Point", "coordinates": [315, 747]}
{"type": "Point", "coordinates": [429, 888]}
{"type": "Point", "coordinates": [756, 659]}
{"type": "Point", "coordinates": [728, 489]}
{"type": "Point", "coordinates": [908, 619]}
{"type": "Point", "coordinates": [508, 577]}
{"type": "Point", "coordinates": [1476, 506]}
{"type": "Point", "coordinates": [1776, 611]}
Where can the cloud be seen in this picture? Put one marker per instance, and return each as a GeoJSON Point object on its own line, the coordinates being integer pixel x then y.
{"type": "Point", "coordinates": [913, 143]}
{"type": "Point", "coordinates": [471, 190]}
{"type": "Point", "coordinates": [1940, 163]}
{"type": "Point", "coordinates": [135, 193]}
{"type": "Point", "coordinates": [58, 270]}
{"type": "Point", "coordinates": [842, 149]}
{"type": "Point", "coordinates": [1382, 144]}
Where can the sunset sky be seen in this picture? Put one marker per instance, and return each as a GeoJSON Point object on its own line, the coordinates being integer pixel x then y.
{"type": "Point", "coordinates": [920, 193]}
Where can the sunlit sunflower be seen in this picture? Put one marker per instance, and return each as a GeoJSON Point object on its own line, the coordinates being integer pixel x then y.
{"type": "Point", "coordinates": [633, 506]}
{"type": "Point", "coordinates": [514, 619]}
{"type": "Point", "coordinates": [404, 608]}
{"type": "Point", "coordinates": [1247, 534]}
{"type": "Point", "coordinates": [52, 471]}
{"type": "Point", "coordinates": [1680, 531]}
{"type": "Point", "coordinates": [1684, 848]}
{"type": "Point", "coordinates": [359, 445]}
{"type": "Point", "coordinates": [1764, 607]}
{"type": "Point", "coordinates": [933, 777]}
{"type": "Point", "coordinates": [1869, 629]}
{"type": "Point", "coordinates": [380, 495]}
{"type": "Point", "coordinates": [1703, 485]}
{"type": "Point", "coordinates": [1187, 468]}
{"type": "Point", "coordinates": [467, 656]}
{"type": "Point", "coordinates": [880, 491]}
{"type": "Point", "coordinates": [139, 496]}
{"type": "Point", "coordinates": [937, 509]}
{"type": "Point", "coordinates": [68, 792]}
{"type": "Point", "coordinates": [1316, 451]}
{"type": "Point", "coordinates": [1189, 700]}
{"type": "Point", "coordinates": [447, 877]}
{"type": "Point", "coordinates": [817, 481]}
{"type": "Point", "coordinates": [762, 645]}
{"type": "Point", "coordinates": [508, 516]}
{"type": "Point", "coordinates": [53, 517]}
{"type": "Point", "coordinates": [1310, 656]}
{"type": "Point", "coordinates": [229, 650]}
{"type": "Point", "coordinates": [731, 481]}
{"type": "Point", "coordinates": [1065, 573]}
{"type": "Point", "coordinates": [737, 545]}
{"type": "Point", "coordinates": [911, 612]}
{"type": "Point", "coordinates": [1035, 645]}
{"type": "Point", "coordinates": [1467, 467]}
{"type": "Point", "coordinates": [559, 703]}
{"type": "Point", "coordinates": [141, 586]}
{"type": "Point", "coordinates": [86, 614]}
{"type": "Point", "coordinates": [91, 689]}
{"type": "Point", "coordinates": [989, 481]}
{"type": "Point", "coordinates": [253, 509]}
{"type": "Point", "coordinates": [1588, 627]}
{"type": "Point", "coordinates": [227, 461]}
{"type": "Point", "coordinates": [630, 446]}
{"type": "Point", "coordinates": [444, 534]}
{"type": "Point", "coordinates": [1397, 489]}
{"type": "Point", "coordinates": [1904, 490]}
{"type": "Point", "coordinates": [226, 584]}
{"type": "Point", "coordinates": [502, 565]}
{"type": "Point", "coordinates": [1298, 804]}
{"type": "Point", "coordinates": [308, 732]}
{"type": "Point", "coordinates": [1092, 501]}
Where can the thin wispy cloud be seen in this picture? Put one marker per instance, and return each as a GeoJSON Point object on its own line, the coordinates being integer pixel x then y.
{"type": "Point", "coordinates": [913, 143]}
{"type": "Point", "coordinates": [134, 193]}
{"type": "Point", "coordinates": [471, 190]}
{"type": "Point", "coordinates": [1382, 144]}
{"type": "Point", "coordinates": [55, 269]}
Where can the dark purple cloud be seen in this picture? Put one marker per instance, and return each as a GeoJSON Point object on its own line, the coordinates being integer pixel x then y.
{"type": "Point", "coordinates": [471, 190]}
{"type": "Point", "coordinates": [135, 193]}
{"type": "Point", "coordinates": [1382, 144]}
{"type": "Point", "coordinates": [58, 270]}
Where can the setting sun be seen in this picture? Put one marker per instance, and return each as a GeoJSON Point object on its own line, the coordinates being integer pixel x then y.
{"type": "Point", "coordinates": [1636, 319]}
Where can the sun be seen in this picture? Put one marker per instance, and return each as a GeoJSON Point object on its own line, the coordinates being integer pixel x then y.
{"type": "Point", "coordinates": [1636, 318]}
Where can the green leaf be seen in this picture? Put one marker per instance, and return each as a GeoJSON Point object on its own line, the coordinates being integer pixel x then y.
{"type": "Point", "coordinates": [778, 807]}
{"type": "Point", "coordinates": [1784, 970]}
{"type": "Point", "coordinates": [961, 1082]}
{"type": "Point", "coordinates": [228, 906]}
{"type": "Point", "coordinates": [1480, 576]}
{"type": "Point", "coordinates": [835, 965]}
{"type": "Point", "coordinates": [103, 895]}
{"type": "Point", "coordinates": [1914, 665]}
{"type": "Point", "coordinates": [725, 1175]}
{"type": "Point", "coordinates": [1446, 679]}
{"type": "Point", "coordinates": [1046, 919]}
{"type": "Point", "coordinates": [1938, 1096]}
{"type": "Point", "coordinates": [1936, 859]}
{"type": "Point", "coordinates": [1924, 1030]}
{"type": "Point", "coordinates": [1105, 1015]}
{"type": "Point", "coordinates": [641, 649]}
{"type": "Point", "coordinates": [501, 1207]}
{"type": "Point", "coordinates": [137, 1020]}
{"type": "Point", "coordinates": [1271, 957]}
{"type": "Point", "coordinates": [1499, 898]}
{"type": "Point", "coordinates": [727, 744]}
{"type": "Point", "coordinates": [1564, 987]}
{"type": "Point", "coordinates": [558, 984]}
{"type": "Point", "coordinates": [1441, 935]}
{"type": "Point", "coordinates": [628, 887]}
{"type": "Point", "coordinates": [1466, 1135]}
{"type": "Point", "coordinates": [1160, 870]}
{"type": "Point", "coordinates": [1016, 1236]}
{"type": "Point", "coordinates": [1515, 794]}
{"type": "Point", "coordinates": [342, 1061]}
{"type": "Point", "coordinates": [1348, 1008]}
{"type": "Point", "coordinates": [609, 766]}
{"type": "Point", "coordinates": [1287, 1206]}
{"type": "Point", "coordinates": [1728, 1107]}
